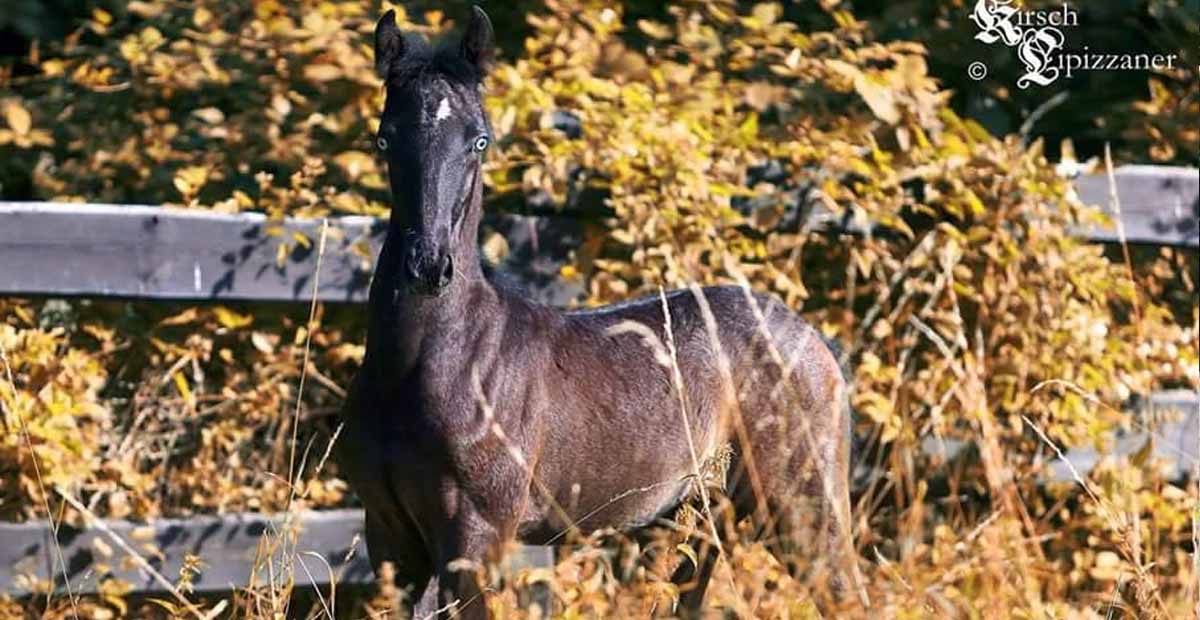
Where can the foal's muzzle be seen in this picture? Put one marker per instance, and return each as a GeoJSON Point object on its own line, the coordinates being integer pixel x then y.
{"type": "Point", "coordinates": [428, 271]}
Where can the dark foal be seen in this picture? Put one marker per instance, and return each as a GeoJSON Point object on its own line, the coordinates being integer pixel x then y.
{"type": "Point", "coordinates": [480, 417]}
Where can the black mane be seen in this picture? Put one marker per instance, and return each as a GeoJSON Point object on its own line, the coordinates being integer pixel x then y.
{"type": "Point", "coordinates": [421, 60]}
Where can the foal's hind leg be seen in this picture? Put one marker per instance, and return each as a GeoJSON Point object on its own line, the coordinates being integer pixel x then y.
{"type": "Point", "coordinates": [692, 580]}
{"type": "Point", "coordinates": [809, 530]}
{"type": "Point", "coordinates": [802, 515]}
{"type": "Point", "coordinates": [808, 537]}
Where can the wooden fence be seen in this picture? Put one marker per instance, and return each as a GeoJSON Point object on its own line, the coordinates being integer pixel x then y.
{"type": "Point", "coordinates": [147, 252]}
{"type": "Point", "coordinates": [154, 253]}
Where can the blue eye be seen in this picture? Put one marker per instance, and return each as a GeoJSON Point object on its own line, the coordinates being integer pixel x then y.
{"type": "Point", "coordinates": [481, 144]}
{"type": "Point", "coordinates": [381, 142]}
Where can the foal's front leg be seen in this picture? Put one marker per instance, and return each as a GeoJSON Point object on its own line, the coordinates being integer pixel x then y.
{"type": "Point", "coordinates": [461, 560]}
{"type": "Point", "coordinates": [427, 605]}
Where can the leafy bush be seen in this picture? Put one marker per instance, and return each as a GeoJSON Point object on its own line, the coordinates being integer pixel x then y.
{"type": "Point", "coordinates": [1150, 117]}
{"type": "Point", "coordinates": [152, 410]}
{"type": "Point", "coordinates": [54, 425]}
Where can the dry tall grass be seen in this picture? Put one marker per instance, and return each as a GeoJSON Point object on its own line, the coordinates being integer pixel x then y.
{"type": "Point", "coordinates": [998, 569]}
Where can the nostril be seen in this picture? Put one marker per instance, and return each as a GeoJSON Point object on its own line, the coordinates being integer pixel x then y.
{"type": "Point", "coordinates": [412, 265]}
{"type": "Point", "coordinates": [447, 271]}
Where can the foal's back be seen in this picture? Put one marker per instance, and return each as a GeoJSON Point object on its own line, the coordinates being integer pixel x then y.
{"type": "Point", "coordinates": [749, 369]}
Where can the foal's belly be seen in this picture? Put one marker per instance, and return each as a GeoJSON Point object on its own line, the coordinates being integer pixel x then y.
{"type": "Point", "coordinates": [623, 509]}
{"type": "Point", "coordinates": [621, 477]}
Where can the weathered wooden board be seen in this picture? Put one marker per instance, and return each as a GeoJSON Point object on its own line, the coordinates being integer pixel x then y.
{"type": "Point", "coordinates": [228, 545]}
{"type": "Point", "coordinates": [1160, 205]}
{"type": "Point", "coordinates": [162, 253]}
{"type": "Point", "coordinates": [1168, 421]}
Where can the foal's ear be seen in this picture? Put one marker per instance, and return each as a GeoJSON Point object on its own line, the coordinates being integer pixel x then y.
{"type": "Point", "coordinates": [479, 41]}
{"type": "Point", "coordinates": [389, 43]}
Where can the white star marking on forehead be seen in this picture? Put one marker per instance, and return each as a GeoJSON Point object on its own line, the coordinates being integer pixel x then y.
{"type": "Point", "coordinates": [443, 111]}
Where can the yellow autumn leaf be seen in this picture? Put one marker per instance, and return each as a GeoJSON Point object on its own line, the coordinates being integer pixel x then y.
{"type": "Point", "coordinates": [654, 30]}
{"type": "Point", "coordinates": [322, 72]}
{"type": "Point", "coordinates": [209, 115]}
{"type": "Point", "coordinates": [495, 248]}
{"type": "Point", "coordinates": [54, 67]}
{"type": "Point", "coordinates": [189, 180]}
{"type": "Point", "coordinates": [974, 203]}
{"type": "Point", "coordinates": [145, 10]}
{"type": "Point", "coordinates": [355, 163]}
{"type": "Point", "coordinates": [201, 17]}
{"type": "Point", "coordinates": [688, 552]}
{"type": "Point", "coordinates": [1108, 567]}
{"type": "Point", "coordinates": [181, 384]}
{"type": "Point", "coordinates": [262, 342]}
{"type": "Point", "coordinates": [17, 117]}
{"type": "Point", "coordinates": [187, 316]}
{"type": "Point", "coordinates": [878, 96]}
{"type": "Point", "coordinates": [748, 130]}
{"type": "Point", "coordinates": [230, 319]}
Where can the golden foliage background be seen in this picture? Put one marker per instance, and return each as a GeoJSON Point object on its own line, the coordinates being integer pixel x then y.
{"type": "Point", "coordinates": [702, 138]}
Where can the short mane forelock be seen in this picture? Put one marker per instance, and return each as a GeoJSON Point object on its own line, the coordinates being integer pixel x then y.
{"type": "Point", "coordinates": [421, 59]}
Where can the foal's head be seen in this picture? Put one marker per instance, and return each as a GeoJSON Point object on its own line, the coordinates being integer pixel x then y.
{"type": "Point", "coordinates": [433, 134]}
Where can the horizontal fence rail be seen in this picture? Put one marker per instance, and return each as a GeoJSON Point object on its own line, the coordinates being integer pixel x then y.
{"type": "Point", "coordinates": [1167, 423]}
{"type": "Point", "coordinates": [233, 547]}
{"type": "Point", "coordinates": [163, 253]}
{"type": "Point", "coordinates": [1159, 205]}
